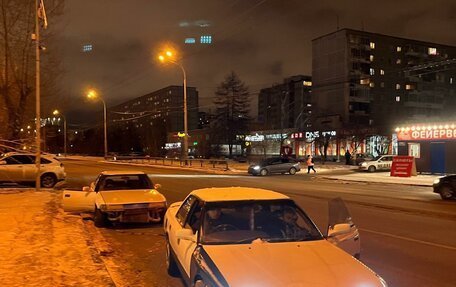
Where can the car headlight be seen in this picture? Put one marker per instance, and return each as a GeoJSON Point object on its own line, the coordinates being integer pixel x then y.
{"type": "Point", "coordinates": [257, 167]}
{"type": "Point", "coordinates": [437, 181]}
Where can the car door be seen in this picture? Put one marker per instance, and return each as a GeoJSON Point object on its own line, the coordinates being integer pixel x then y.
{"type": "Point", "coordinates": [29, 167]}
{"type": "Point", "coordinates": [339, 215]}
{"type": "Point", "coordinates": [79, 200]}
{"type": "Point", "coordinates": [274, 165]}
{"type": "Point", "coordinates": [182, 248]}
{"type": "Point", "coordinates": [12, 169]}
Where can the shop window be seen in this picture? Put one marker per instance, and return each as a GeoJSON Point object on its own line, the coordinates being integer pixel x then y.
{"type": "Point", "coordinates": [414, 150]}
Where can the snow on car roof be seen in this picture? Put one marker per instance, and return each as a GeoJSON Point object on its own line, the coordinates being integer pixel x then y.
{"type": "Point", "coordinates": [121, 172]}
{"type": "Point", "coordinates": [236, 193]}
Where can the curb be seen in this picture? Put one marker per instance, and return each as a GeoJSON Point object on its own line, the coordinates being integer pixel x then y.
{"type": "Point", "coordinates": [376, 182]}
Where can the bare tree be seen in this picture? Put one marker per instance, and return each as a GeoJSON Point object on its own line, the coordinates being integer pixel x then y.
{"type": "Point", "coordinates": [17, 62]}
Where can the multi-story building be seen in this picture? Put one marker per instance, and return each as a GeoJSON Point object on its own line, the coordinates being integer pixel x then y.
{"type": "Point", "coordinates": [370, 79]}
{"type": "Point", "coordinates": [286, 105]}
{"type": "Point", "coordinates": [142, 124]}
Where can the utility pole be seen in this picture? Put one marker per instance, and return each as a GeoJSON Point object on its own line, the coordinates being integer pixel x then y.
{"type": "Point", "coordinates": [37, 96]}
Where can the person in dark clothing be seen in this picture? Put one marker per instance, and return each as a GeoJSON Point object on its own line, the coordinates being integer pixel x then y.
{"type": "Point", "coordinates": [347, 157]}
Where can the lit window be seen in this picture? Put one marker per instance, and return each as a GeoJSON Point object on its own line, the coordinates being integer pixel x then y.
{"type": "Point", "coordinates": [307, 83]}
{"type": "Point", "coordinates": [372, 45]}
{"type": "Point", "coordinates": [409, 87]}
{"type": "Point", "coordinates": [382, 72]}
{"type": "Point", "coordinates": [371, 71]}
{"type": "Point", "coordinates": [398, 98]}
{"type": "Point", "coordinates": [398, 61]}
{"type": "Point", "coordinates": [432, 51]}
{"type": "Point", "coordinates": [364, 81]}
{"type": "Point", "coordinates": [398, 48]}
{"type": "Point", "coordinates": [206, 39]}
{"type": "Point", "coordinates": [398, 86]}
{"type": "Point", "coordinates": [371, 84]}
{"type": "Point", "coordinates": [371, 58]}
{"type": "Point", "coordinates": [451, 80]}
{"type": "Point", "coordinates": [87, 48]}
{"type": "Point", "coordinates": [382, 84]}
{"type": "Point", "coordinates": [190, 41]}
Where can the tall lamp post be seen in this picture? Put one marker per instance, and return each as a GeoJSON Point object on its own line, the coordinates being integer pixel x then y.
{"type": "Point", "coordinates": [93, 95]}
{"type": "Point", "coordinates": [57, 113]}
{"type": "Point", "coordinates": [168, 56]}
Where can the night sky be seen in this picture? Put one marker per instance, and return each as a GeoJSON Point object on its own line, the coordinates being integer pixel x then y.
{"type": "Point", "coordinates": [262, 40]}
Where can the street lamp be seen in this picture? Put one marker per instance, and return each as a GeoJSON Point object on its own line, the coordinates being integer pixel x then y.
{"type": "Point", "coordinates": [93, 95]}
{"type": "Point", "coordinates": [56, 113]}
{"type": "Point", "coordinates": [168, 56]}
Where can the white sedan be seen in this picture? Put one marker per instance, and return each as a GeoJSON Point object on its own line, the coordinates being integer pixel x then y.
{"type": "Point", "coordinates": [254, 237]}
{"type": "Point", "coordinates": [381, 162]}
{"type": "Point", "coordinates": [118, 196]}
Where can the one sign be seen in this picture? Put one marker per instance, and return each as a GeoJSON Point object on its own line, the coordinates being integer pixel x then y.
{"type": "Point", "coordinates": [172, 145]}
{"type": "Point", "coordinates": [403, 166]}
{"type": "Point", "coordinates": [312, 135]}
{"type": "Point", "coordinates": [426, 133]}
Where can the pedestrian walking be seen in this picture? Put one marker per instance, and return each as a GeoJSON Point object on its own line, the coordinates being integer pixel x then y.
{"type": "Point", "coordinates": [310, 164]}
{"type": "Point", "coordinates": [347, 157]}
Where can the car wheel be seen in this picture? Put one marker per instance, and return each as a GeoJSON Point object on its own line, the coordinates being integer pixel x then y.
{"type": "Point", "coordinates": [171, 265]}
{"type": "Point", "coordinates": [292, 171]}
{"type": "Point", "coordinates": [48, 180]}
{"type": "Point", "coordinates": [445, 192]}
{"type": "Point", "coordinates": [371, 168]}
{"type": "Point", "coordinates": [99, 218]}
{"type": "Point", "coordinates": [264, 172]}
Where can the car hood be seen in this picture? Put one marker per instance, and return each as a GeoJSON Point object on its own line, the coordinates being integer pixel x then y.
{"type": "Point", "coordinates": [295, 264]}
{"type": "Point", "coordinates": [132, 196]}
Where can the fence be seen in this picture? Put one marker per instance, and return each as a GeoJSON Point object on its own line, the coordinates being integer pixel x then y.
{"type": "Point", "coordinates": [201, 163]}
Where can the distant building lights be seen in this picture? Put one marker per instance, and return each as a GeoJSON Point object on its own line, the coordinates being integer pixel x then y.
{"type": "Point", "coordinates": [87, 48]}
{"type": "Point", "coordinates": [432, 51]}
{"type": "Point", "coordinates": [190, 41]}
{"type": "Point", "coordinates": [206, 39]}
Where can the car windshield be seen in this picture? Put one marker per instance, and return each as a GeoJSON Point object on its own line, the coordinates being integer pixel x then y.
{"type": "Point", "coordinates": [268, 221]}
{"type": "Point", "coordinates": [123, 182]}
{"type": "Point", "coordinates": [377, 157]}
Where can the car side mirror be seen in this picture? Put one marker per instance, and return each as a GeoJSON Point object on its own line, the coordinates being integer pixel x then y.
{"type": "Point", "coordinates": [157, 186]}
{"type": "Point", "coordinates": [186, 234]}
{"type": "Point", "coordinates": [2, 162]}
{"type": "Point", "coordinates": [339, 229]}
{"type": "Point", "coordinates": [86, 189]}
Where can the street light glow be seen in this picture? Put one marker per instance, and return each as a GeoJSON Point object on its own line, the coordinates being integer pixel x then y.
{"type": "Point", "coordinates": [55, 112]}
{"type": "Point", "coordinates": [91, 94]}
{"type": "Point", "coordinates": [169, 53]}
{"type": "Point", "coordinates": [161, 58]}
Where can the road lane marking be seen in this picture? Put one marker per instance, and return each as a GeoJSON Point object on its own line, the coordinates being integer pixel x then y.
{"type": "Point", "coordinates": [453, 248]}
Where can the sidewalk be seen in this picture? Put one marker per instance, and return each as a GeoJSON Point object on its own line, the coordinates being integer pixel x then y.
{"type": "Point", "coordinates": [384, 177]}
{"type": "Point", "coordinates": [41, 246]}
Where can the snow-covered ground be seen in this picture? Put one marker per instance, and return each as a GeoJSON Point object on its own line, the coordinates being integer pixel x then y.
{"type": "Point", "coordinates": [42, 246]}
{"type": "Point", "coordinates": [384, 177]}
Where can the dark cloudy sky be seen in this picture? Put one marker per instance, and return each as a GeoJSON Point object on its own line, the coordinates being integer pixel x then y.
{"type": "Point", "coordinates": [262, 40]}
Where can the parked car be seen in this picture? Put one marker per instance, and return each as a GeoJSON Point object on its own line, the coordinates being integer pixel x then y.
{"type": "Point", "coordinates": [21, 168]}
{"type": "Point", "coordinates": [362, 157]}
{"type": "Point", "coordinates": [240, 236]}
{"type": "Point", "coordinates": [275, 165]}
{"type": "Point", "coordinates": [446, 187]}
{"type": "Point", "coordinates": [381, 162]}
{"type": "Point", "coordinates": [118, 196]}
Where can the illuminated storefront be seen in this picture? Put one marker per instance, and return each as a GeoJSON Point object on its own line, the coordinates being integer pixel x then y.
{"type": "Point", "coordinates": [433, 146]}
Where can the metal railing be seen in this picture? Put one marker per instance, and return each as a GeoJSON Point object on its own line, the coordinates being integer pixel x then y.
{"type": "Point", "coordinates": [201, 163]}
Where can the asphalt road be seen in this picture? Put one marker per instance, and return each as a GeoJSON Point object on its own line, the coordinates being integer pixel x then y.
{"type": "Point", "coordinates": [408, 234]}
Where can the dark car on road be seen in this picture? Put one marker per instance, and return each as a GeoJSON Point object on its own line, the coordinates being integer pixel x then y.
{"type": "Point", "coordinates": [275, 165]}
{"type": "Point", "coordinates": [446, 187]}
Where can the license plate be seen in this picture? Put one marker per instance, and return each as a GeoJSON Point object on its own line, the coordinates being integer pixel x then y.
{"type": "Point", "coordinates": [136, 206]}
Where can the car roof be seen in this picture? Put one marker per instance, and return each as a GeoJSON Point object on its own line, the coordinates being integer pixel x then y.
{"type": "Point", "coordinates": [47, 156]}
{"type": "Point", "coordinates": [122, 172]}
{"type": "Point", "coordinates": [217, 194]}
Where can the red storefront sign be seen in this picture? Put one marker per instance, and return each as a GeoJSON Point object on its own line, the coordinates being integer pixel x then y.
{"type": "Point", "coordinates": [426, 134]}
{"type": "Point", "coordinates": [403, 166]}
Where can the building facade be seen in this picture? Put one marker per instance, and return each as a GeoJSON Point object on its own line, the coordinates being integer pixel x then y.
{"type": "Point", "coordinates": [142, 124]}
{"type": "Point", "coordinates": [286, 105]}
{"type": "Point", "coordinates": [371, 79]}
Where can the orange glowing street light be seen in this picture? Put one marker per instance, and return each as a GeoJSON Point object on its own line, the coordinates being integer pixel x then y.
{"type": "Point", "coordinates": [168, 56]}
{"type": "Point", "coordinates": [93, 95]}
